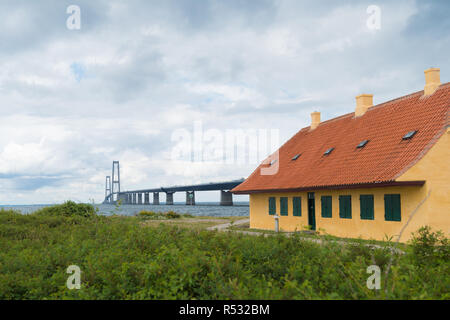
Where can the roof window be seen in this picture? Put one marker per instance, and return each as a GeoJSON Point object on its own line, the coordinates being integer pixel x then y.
{"type": "Point", "coordinates": [328, 151]}
{"type": "Point", "coordinates": [362, 144]}
{"type": "Point", "coordinates": [409, 135]}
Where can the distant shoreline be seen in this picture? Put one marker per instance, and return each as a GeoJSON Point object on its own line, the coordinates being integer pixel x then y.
{"type": "Point", "coordinates": [200, 209]}
{"type": "Point", "coordinates": [236, 204]}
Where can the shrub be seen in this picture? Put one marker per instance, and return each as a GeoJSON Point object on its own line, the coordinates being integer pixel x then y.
{"type": "Point", "coordinates": [172, 215]}
{"type": "Point", "coordinates": [149, 214]}
{"type": "Point", "coordinates": [69, 209]}
{"type": "Point", "coordinates": [158, 215]}
{"type": "Point", "coordinates": [9, 211]}
{"type": "Point", "coordinates": [430, 247]}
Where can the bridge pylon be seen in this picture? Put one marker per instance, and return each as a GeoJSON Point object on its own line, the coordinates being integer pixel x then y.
{"type": "Point", "coordinates": [115, 188]}
{"type": "Point", "coordinates": [107, 187]}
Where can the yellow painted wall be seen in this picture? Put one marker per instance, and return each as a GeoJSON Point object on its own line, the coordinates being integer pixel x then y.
{"type": "Point", "coordinates": [356, 227]}
{"type": "Point", "coordinates": [433, 168]}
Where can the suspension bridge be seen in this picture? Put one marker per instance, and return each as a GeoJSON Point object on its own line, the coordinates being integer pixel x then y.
{"type": "Point", "coordinates": [113, 194]}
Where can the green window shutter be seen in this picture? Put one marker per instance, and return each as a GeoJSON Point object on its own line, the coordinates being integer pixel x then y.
{"type": "Point", "coordinates": [396, 209]}
{"type": "Point", "coordinates": [392, 207]}
{"type": "Point", "coordinates": [345, 207]}
{"type": "Point", "coordinates": [349, 207]}
{"type": "Point", "coordinates": [272, 206]}
{"type": "Point", "coordinates": [330, 206]}
{"type": "Point", "coordinates": [366, 206]}
{"type": "Point", "coordinates": [387, 207]}
{"type": "Point", "coordinates": [297, 206]}
{"type": "Point", "coordinates": [326, 206]}
{"type": "Point", "coordinates": [283, 206]}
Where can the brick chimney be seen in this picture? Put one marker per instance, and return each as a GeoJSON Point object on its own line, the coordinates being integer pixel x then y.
{"type": "Point", "coordinates": [432, 80]}
{"type": "Point", "coordinates": [315, 120]}
{"type": "Point", "coordinates": [363, 102]}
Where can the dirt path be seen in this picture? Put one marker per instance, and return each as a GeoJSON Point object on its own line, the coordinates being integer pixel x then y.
{"type": "Point", "coordinates": [224, 226]}
{"type": "Point", "coordinates": [194, 220]}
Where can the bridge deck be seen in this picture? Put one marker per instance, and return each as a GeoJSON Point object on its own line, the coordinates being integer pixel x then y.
{"type": "Point", "coordinates": [197, 187]}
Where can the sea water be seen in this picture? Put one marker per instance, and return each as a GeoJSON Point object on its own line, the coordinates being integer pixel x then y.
{"type": "Point", "coordinates": [200, 209]}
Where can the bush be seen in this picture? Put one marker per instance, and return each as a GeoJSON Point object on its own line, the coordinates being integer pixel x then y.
{"type": "Point", "coordinates": [430, 247]}
{"type": "Point", "coordinates": [172, 215]}
{"type": "Point", "coordinates": [158, 215]}
{"type": "Point", "coordinates": [69, 209]}
{"type": "Point", "coordinates": [9, 211]}
{"type": "Point", "coordinates": [149, 214]}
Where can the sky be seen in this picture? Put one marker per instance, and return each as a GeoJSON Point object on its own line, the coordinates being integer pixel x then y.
{"type": "Point", "coordinates": [160, 85]}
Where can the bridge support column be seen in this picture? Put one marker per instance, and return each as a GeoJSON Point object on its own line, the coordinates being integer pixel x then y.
{"type": "Point", "coordinates": [190, 198]}
{"type": "Point", "coordinates": [226, 198]}
{"type": "Point", "coordinates": [134, 198]}
{"type": "Point", "coordinates": [139, 198]}
{"type": "Point", "coordinates": [122, 198]}
{"type": "Point", "coordinates": [146, 198]}
{"type": "Point", "coordinates": [156, 198]}
{"type": "Point", "coordinates": [169, 198]}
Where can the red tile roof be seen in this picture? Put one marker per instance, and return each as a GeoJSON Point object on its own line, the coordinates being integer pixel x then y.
{"type": "Point", "coordinates": [385, 157]}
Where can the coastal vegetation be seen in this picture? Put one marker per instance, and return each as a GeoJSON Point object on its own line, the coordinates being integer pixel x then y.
{"type": "Point", "coordinates": [160, 215]}
{"type": "Point", "coordinates": [130, 258]}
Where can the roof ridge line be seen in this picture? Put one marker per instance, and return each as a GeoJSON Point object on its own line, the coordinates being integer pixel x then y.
{"type": "Point", "coordinates": [408, 96]}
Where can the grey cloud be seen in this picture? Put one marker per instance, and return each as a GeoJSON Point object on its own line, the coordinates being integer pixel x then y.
{"type": "Point", "coordinates": [15, 183]}
{"type": "Point", "coordinates": [430, 16]}
{"type": "Point", "coordinates": [31, 25]}
{"type": "Point", "coordinates": [258, 64]}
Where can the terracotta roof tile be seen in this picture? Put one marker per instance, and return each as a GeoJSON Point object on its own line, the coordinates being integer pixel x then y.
{"type": "Point", "coordinates": [383, 159]}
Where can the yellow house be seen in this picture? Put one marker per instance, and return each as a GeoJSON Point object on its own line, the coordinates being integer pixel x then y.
{"type": "Point", "coordinates": [379, 172]}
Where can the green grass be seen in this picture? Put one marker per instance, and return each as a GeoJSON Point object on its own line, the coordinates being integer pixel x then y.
{"type": "Point", "coordinates": [154, 219]}
{"type": "Point", "coordinates": [198, 223]}
{"type": "Point", "coordinates": [122, 258]}
{"type": "Point", "coordinates": [320, 235]}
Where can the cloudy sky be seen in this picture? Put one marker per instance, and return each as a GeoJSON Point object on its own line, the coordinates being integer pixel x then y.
{"type": "Point", "coordinates": [138, 75]}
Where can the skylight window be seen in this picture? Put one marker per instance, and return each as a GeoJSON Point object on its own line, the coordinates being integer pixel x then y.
{"type": "Point", "coordinates": [362, 144]}
{"type": "Point", "coordinates": [328, 151]}
{"type": "Point", "coordinates": [409, 135]}
{"type": "Point", "coordinates": [296, 156]}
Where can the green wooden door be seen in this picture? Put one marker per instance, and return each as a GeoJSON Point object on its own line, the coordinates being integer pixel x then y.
{"type": "Point", "coordinates": [311, 211]}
